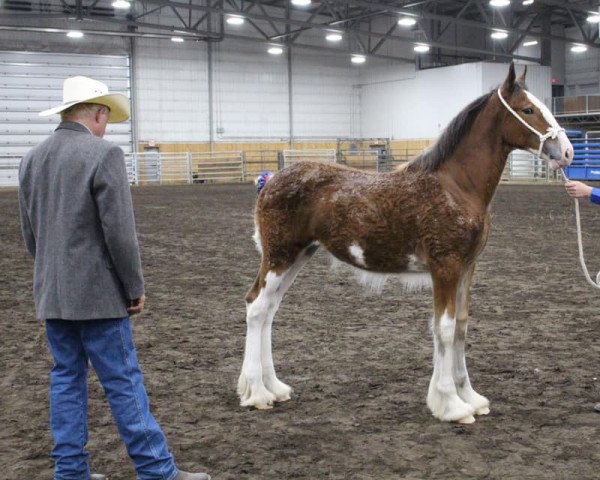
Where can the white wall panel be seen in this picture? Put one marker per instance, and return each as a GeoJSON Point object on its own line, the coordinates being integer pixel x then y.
{"type": "Point", "coordinates": [325, 100]}
{"type": "Point", "coordinates": [251, 92]}
{"type": "Point", "coordinates": [171, 91]}
{"type": "Point", "coordinates": [404, 104]}
{"type": "Point", "coordinates": [31, 82]}
{"type": "Point", "coordinates": [417, 105]}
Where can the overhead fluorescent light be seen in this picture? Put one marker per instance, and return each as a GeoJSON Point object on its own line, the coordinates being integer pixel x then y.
{"type": "Point", "coordinates": [275, 50]}
{"type": "Point", "coordinates": [421, 48]}
{"type": "Point", "coordinates": [333, 37]}
{"type": "Point", "coordinates": [499, 3]}
{"type": "Point", "coordinates": [356, 58]}
{"type": "Point", "coordinates": [74, 34]}
{"type": "Point", "coordinates": [235, 20]}
{"type": "Point", "coordinates": [499, 35]}
{"type": "Point", "coordinates": [527, 2]}
{"type": "Point", "coordinates": [578, 48]}
{"type": "Point", "coordinates": [593, 18]}
{"type": "Point", "coordinates": [530, 43]}
{"type": "Point", "coordinates": [177, 39]}
{"type": "Point", "coordinates": [407, 21]}
{"type": "Point", "coordinates": [301, 3]}
{"type": "Point", "coordinates": [121, 4]}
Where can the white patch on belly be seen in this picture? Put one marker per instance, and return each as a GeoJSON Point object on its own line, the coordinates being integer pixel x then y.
{"type": "Point", "coordinates": [415, 265]}
{"type": "Point", "coordinates": [357, 254]}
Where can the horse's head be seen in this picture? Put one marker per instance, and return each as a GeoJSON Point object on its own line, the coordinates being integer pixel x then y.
{"type": "Point", "coordinates": [530, 125]}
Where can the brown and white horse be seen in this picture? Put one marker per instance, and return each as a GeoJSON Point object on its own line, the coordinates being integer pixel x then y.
{"type": "Point", "coordinates": [426, 223]}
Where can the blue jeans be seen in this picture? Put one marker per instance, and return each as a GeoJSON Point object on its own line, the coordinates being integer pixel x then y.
{"type": "Point", "coordinates": [108, 345]}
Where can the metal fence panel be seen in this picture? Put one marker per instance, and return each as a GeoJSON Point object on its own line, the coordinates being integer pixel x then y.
{"type": "Point", "coordinates": [217, 167]}
{"type": "Point", "coordinates": [326, 155]}
{"type": "Point", "coordinates": [9, 171]}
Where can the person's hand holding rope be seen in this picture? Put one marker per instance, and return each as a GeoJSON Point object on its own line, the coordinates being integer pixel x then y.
{"type": "Point", "coordinates": [578, 189]}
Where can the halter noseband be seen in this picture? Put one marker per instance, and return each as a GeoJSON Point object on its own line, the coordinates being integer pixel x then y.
{"type": "Point", "coordinates": [552, 132]}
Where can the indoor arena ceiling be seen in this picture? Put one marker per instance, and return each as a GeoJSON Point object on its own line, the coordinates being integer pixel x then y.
{"type": "Point", "coordinates": [368, 27]}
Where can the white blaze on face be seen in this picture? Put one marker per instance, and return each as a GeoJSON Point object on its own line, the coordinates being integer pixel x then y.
{"type": "Point", "coordinates": [357, 254]}
{"type": "Point", "coordinates": [547, 114]}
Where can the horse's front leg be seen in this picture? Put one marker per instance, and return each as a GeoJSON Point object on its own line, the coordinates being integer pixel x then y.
{"type": "Point", "coordinates": [460, 373]}
{"type": "Point", "coordinates": [443, 399]}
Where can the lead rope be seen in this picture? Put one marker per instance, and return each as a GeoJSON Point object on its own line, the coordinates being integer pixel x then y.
{"type": "Point", "coordinates": [552, 133]}
{"type": "Point", "coordinates": [586, 273]}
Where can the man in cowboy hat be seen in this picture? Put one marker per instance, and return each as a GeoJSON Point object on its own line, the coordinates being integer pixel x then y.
{"type": "Point", "coordinates": [77, 222]}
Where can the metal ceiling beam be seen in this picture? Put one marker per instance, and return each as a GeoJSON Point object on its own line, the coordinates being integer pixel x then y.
{"type": "Point", "coordinates": [387, 9]}
{"type": "Point", "coordinates": [327, 26]}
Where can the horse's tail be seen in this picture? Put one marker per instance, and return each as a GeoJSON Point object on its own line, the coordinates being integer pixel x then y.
{"type": "Point", "coordinates": [262, 180]}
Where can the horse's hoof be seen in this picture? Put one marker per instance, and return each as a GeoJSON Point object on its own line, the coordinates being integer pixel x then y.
{"type": "Point", "coordinates": [285, 398]}
{"type": "Point", "coordinates": [482, 411]}
{"type": "Point", "coordinates": [467, 420]}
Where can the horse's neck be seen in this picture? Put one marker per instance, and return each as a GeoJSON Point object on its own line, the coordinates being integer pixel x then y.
{"type": "Point", "coordinates": [476, 165]}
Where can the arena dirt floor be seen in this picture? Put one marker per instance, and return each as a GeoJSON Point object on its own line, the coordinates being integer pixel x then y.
{"type": "Point", "coordinates": [359, 364]}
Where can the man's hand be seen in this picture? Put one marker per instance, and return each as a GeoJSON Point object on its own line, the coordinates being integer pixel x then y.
{"type": "Point", "coordinates": [578, 189]}
{"type": "Point", "coordinates": [136, 306]}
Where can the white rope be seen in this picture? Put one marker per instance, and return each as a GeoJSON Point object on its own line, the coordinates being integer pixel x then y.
{"type": "Point", "coordinates": [586, 273]}
{"type": "Point", "coordinates": [552, 133]}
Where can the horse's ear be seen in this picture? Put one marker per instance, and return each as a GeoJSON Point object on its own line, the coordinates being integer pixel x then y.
{"type": "Point", "coordinates": [523, 75]}
{"type": "Point", "coordinates": [509, 84]}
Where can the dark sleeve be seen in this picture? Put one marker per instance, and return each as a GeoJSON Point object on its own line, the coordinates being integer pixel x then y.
{"type": "Point", "coordinates": [115, 208]}
{"type": "Point", "coordinates": [595, 196]}
{"type": "Point", "coordinates": [26, 229]}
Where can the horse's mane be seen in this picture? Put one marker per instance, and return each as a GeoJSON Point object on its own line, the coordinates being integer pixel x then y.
{"type": "Point", "coordinates": [432, 158]}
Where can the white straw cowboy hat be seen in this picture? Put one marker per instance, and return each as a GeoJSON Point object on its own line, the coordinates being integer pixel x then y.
{"type": "Point", "coordinates": [86, 90]}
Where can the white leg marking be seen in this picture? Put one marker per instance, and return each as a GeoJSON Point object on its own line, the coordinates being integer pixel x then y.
{"type": "Point", "coordinates": [256, 236]}
{"type": "Point", "coordinates": [442, 398]}
{"type": "Point", "coordinates": [251, 388]}
{"type": "Point", "coordinates": [459, 369]}
{"type": "Point", "coordinates": [358, 254]}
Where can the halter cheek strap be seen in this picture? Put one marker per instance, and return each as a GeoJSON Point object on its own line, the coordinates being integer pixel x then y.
{"type": "Point", "coordinates": [552, 132]}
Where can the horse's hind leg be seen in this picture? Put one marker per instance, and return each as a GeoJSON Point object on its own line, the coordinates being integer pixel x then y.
{"type": "Point", "coordinates": [258, 385]}
{"type": "Point", "coordinates": [460, 373]}
{"type": "Point", "coordinates": [274, 385]}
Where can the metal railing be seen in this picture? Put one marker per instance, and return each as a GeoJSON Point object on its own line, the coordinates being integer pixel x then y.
{"type": "Point", "coordinates": [326, 155]}
{"type": "Point", "coordinates": [181, 168]}
{"type": "Point", "coordinates": [576, 105]}
{"type": "Point", "coordinates": [217, 167]}
{"type": "Point", "coordinates": [9, 171]}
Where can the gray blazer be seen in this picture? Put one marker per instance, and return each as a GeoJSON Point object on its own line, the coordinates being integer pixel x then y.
{"type": "Point", "coordinates": [77, 222]}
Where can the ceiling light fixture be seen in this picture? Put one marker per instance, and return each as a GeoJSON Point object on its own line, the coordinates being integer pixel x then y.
{"type": "Point", "coordinates": [578, 48]}
{"type": "Point", "coordinates": [275, 50]}
{"type": "Point", "coordinates": [177, 39]}
{"type": "Point", "coordinates": [74, 34]}
{"type": "Point", "coordinates": [407, 21]}
{"type": "Point", "coordinates": [301, 3]}
{"type": "Point", "coordinates": [527, 2]}
{"type": "Point", "coordinates": [499, 35]}
{"type": "Point", "coordinates": [358, 59]}
{"type": "Point", "coordinates": [333, 37]}
{"type": "Point", "coordinates": [121, 4]}
{"type": "Point", "coordinates": [421, 48]}
{"type": "Point", "coordinates": [530, 43]}
{"type": "Point", "coordinates": [235, 20]}
{"type": "Point", "coordinates": [593, 18]}
{"type": "Point", "coordinates": [499, 3]}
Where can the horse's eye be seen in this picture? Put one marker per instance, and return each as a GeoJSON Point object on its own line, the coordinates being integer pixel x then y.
{"type": "Point", "coordinates": [527, 111]}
